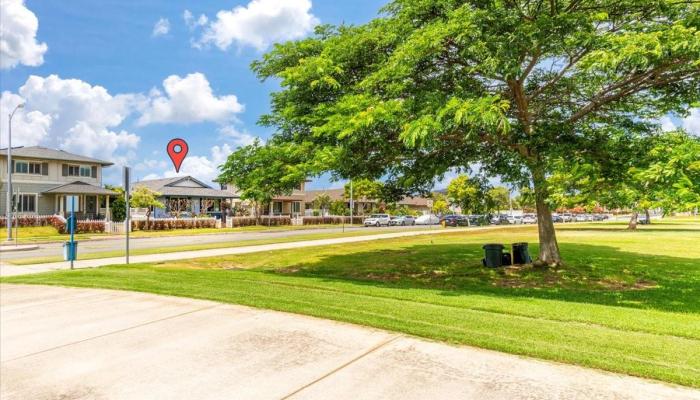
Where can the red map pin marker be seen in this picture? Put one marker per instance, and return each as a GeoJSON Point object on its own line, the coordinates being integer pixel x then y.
{"type": "Point", "coordinates": [177, 150]}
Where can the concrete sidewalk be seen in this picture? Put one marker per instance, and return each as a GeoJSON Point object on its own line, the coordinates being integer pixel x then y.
{"type": "Point", "coordinates": [12, 270]}
{"type": "Point", "coordinates": [63, 343]}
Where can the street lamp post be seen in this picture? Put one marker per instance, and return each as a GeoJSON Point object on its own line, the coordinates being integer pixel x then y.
{"type": "Point", "coordinates": [8, 205]}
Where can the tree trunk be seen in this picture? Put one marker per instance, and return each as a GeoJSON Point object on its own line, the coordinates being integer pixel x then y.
{"type": "Point", "coordinates": [646, 212]}
{"type": "Point", "coordinates": [549, 248]}
{"type": "Point", "coordinates": [633, 221]}
{"type": "Point", "coordinates": [148, 219]}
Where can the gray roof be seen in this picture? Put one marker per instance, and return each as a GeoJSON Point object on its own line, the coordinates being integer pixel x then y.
{"type": "Point", "coordinates": [164, 187]}
{"type": "Point", "coordinates": [79, 188]}
{"type": "Point", "coordinates": [44, 153]}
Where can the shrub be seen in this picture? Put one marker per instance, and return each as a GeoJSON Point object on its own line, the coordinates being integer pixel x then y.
{"type": "Point", "coordinates": [31, 220]}
{"type": "Point", "coordinates": [164, 224]}
{"type": "Point", "coordinates": [243, 221]}
{"type": "Point", "coordinates": [331, 219]}
{"type": "Point", "coordinates": [275, 220]}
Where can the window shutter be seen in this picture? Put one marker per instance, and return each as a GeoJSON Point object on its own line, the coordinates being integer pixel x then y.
{"type": "Point", "coordinates": [45, 168]}
{"type": "Point", "coordinates": [12, 167]}
{"type": "Point", "coordinates": [65, 169]}
{"type": "Point", "coordinates": [94, 172]}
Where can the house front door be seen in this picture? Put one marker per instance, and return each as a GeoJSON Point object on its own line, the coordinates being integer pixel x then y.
{"type": "Point", "coordinates": [91, 206]}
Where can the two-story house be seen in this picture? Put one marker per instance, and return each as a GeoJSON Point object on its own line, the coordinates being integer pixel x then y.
{"type": "Point", "coordinates": [43, 179]}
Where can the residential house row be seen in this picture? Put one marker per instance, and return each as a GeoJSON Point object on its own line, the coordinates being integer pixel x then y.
{"type": "Point", "coordinates": [43, 180]}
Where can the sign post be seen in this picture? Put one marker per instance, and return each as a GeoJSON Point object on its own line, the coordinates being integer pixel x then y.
{"type": "Point", "coordinates": [127, 220]}
{"type": "Point", "coordinates": [71, 247]}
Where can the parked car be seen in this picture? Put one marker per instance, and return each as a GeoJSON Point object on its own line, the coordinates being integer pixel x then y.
{"type": "Point", "coordinates": [642, 220]}
{"type": "Point", "coordinates": [377, 220]}
{"type": "Point", "coordinates": [566, 217]}
{"type": "Point", "coordinates": [429, 219]}
{"type": "Point", "coordinates": [557, 218]}
{"type": "Point", "coordinates": [402, 220]}
{"type": "Point", "coordinates": [529, 219]}
{"type": "Point", "coordinates": [581, 218]}
{"type": "Point", "coordinates": [500, 220]}
{"type": "Point", "coordinates": [515, 219]}
{"type": "Point", "coordinates": [454, 220]}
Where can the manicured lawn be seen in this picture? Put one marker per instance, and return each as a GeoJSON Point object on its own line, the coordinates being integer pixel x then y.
{"type": "Point", "coordinates": [45, 234]}
{"type": "Point", "coordinates": [205, 246]}
{"type": "Point", "coordinates": [627, 302]}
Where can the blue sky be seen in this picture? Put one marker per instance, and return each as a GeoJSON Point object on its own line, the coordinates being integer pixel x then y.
{"type": "Point", "coordinates": [113, 45]}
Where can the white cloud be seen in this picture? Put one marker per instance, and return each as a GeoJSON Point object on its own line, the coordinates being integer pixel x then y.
{"type": "Point", "coordinates": [161, 28]}
{"type": "Point", "coordinates": [201, 167]}
{"type": "Point", "coordinates": [29, 128]}
{"type": "Point", "coordinates": [189, 99]}
{"type": "Point", "coordinates": [193, 23]}
{"type": "Point", "coordinates": [667, 124]}
{"type": "Point", "coordinates": [259, 24]}
{"type": "Point", "coordinates": [692, 122]}
{"type": "Point", "coordinates": [73, 115]}
{"type": "Point", "coordinates": [237, 137]}
{"type": "Point", "coordinates": [18, 27]}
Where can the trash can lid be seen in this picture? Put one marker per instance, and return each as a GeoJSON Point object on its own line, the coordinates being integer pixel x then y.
{"type": "Point", "coordinates": [520, 244]}
{"type": "Point", "coordinates": [493, 245]}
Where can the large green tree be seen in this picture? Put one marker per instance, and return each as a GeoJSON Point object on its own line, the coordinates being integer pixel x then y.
{"type": "Point", "coordinates": [471, 195]}
{"type": "Point", "coordinates": [515, 85]}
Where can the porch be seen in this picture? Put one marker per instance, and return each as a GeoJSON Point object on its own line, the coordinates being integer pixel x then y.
{"type": "Point", "coordinates": [92, 202]}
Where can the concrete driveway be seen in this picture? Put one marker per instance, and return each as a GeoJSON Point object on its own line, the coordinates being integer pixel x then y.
{"type": "Point", "coordinates": [62, 343]}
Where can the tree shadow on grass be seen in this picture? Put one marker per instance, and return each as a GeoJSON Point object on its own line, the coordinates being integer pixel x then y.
{"type": "Point", "coordinates": [593, 274]}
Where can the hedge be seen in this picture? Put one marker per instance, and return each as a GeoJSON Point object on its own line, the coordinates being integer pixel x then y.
{"type": "Point", "coordinates": [164, 224]}
{"type": "Point", "coordinates": [332, 219]}
{"type": "Point", "coordinates": [32, 220]}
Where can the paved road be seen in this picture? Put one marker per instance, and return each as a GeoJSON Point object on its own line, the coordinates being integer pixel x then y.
{"type": "Point", "coordinates": [12, 270]}
{"type": "Point", "coordinates": [102, 245]}
{"type": "Point", "coordinates": [64, 343]}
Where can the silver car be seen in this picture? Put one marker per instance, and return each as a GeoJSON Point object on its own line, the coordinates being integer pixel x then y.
{"type": "Point", "coordinates": [402, 220]}
{"type": "Point", "coordinates": [377, 220]}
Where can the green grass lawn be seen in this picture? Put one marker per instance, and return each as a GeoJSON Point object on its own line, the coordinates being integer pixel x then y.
{"type": "Point", "coordinates": [204, 246]}
{"type": "Point", "coordinates": [626, 302]}
{"type": "Point", "coordinates": [46, 234]}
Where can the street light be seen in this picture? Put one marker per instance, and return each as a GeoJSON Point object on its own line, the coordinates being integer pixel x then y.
{"type": "Point", "coordinates": [8, 205]}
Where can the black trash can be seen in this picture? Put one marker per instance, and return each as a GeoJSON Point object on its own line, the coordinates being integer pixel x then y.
{"type": "Point", "coordinates": [493, 255]}
{"type": "Point", "coordinates": [520, 254]}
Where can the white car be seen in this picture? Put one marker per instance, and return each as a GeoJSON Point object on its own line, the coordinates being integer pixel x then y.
{"type": "Point", "coordinates": [402, 220]}
{"type": "Point", "coordinates": [529, 219]}
{"type": "Point", "coordinates": [427, 220]}
{"type": "Point", "coordinates": [581, 218]}
{"type": "Point", "coordinates": [515, 219]}
{"type": "Point", "coordinates": [377, 220]}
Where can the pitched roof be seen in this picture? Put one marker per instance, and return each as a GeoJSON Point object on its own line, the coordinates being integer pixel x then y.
{"type": "Point", "coordinates": [339, 194]}
{"type": "Point", "coordinates": [44, 153]}
{"type": "Point", "coordinates": [166, 187]}
{"type": "Point", "coordinates": [79, 188]}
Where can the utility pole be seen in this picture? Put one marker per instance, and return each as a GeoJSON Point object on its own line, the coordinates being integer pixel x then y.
{"type": "Point", "coordinates": [8, 205]}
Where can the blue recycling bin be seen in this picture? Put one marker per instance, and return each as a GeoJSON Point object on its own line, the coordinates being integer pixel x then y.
{"type": "Point", "coordinates": [70, 251]}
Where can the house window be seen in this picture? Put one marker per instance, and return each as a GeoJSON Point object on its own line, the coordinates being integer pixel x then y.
{"type": "Point", "coordinates": [296, 207]}
{"type": "Point", "coordinates": [299, 187]}
{"type": "Point", "coordinates": [24, 167]}
{"type": "Point", "coordinates": [74, 170]}
{"type": "Point", "coordinates": [25, 203]}
{"type": "Point", "coordinates": [277, 207]}
{"type": "Point", "coordinates": [85, 171]}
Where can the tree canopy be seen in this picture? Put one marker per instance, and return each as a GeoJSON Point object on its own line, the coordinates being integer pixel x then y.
{"type": "Point", "coordinates": [516, 86]}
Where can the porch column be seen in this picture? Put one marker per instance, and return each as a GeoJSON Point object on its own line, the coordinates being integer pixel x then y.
{"type": "Point", "coordinates": [61, 207]}
{"type": "Point", "coordinates": [108, 215]}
